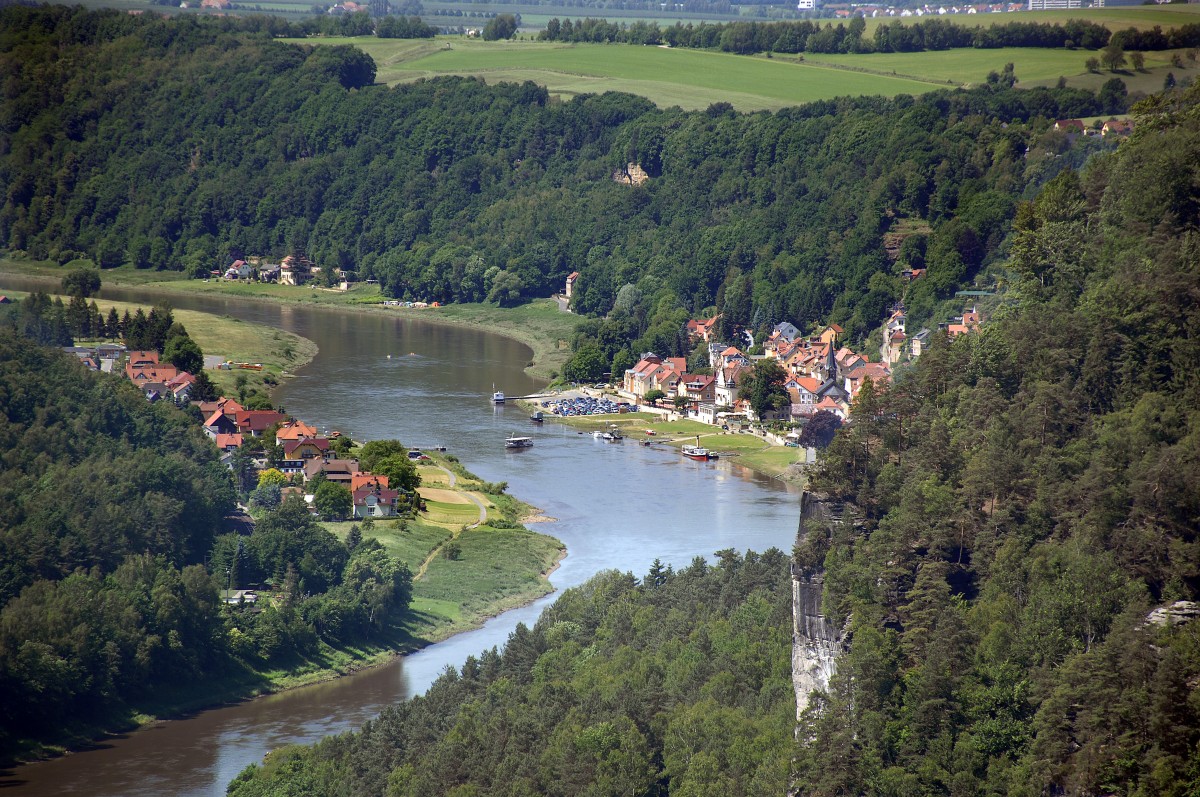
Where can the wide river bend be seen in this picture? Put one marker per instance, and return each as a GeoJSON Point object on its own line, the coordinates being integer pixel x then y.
{"type": "Point", "coordinates": [616, 506]}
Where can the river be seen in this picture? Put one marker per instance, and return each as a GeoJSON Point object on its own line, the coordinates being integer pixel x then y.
{"type": "Point", "coordinates": [615, 506]}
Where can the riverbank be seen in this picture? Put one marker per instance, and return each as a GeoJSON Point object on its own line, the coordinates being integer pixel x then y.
{"type": "Point", "coordinates": [279, 353]}
{"type": "Point", "coordinates": [750, 451]}
{"type": "Point", "coordinates": [539, 324]}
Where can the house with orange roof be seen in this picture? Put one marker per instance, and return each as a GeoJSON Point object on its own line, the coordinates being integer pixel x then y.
{"type": "Point", "coordinates": [803, 394]}
{"type": "Point", "coordinates": [224, 405]}
{"type": "Point", "coordinates": [569, 288]}
{"type": "Point", "coordinates": [338, 471]}
{"type": "Point", "coordinates": [830, 404]}
{"type": "Point", "coordinates": [181, 387]}
{"type": "Point", "coordinates": [1116, 127]}
{"type": "Point", "coordinates": [697, 388]}
{"type": "Point", "coordinates": [969, 321]}
{"type": "Point", "coordinates": [143, 367]}
{"type": "Point", "coordinates": [294, 430]}
{"type": "Point", "coordinates": [702, 328]}
{"type": "Point", "coordinates": [218, 423]}
{"type": "Point", "coordinates": [229, 442]}
{"type": "Point", "coordinates": [365, 479]}
{"type": "Point", "coordinates": [830, 334]}
{"type": "Point", "coordinates": [654, 373]}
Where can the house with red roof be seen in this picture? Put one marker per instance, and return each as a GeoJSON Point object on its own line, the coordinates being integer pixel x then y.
{"type": "Point", "coordinates": [143, 367]}
{"type": "Point", "coordinates": [375, 501]}
{"type": "Point", "coordinates": [305, 449]}
{"type": "Point", "coordinates": [255, 422]}
{"type": "Point", "coordinates": [702, 328]}
{"type": "Point", "coordinates": [569, 289]}
{"type": "Point", "coordinates": [338, 471]}
{"type": "Point", "coordinates": [225, 405]}
{"type": "Point", "coordinates": [229, 442]}
{"type": "Point", "coordinates": [218, 423]}
{"type": "Point", "coordinates": [654, 373]}
{"type": "Point", "coordinates": [879, 374]}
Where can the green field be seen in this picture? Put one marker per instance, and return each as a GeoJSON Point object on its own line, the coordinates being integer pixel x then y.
{"type": "Point", "coordinates": [1033, 66]}
{"type": "Point", "coordinates": [691, 79]}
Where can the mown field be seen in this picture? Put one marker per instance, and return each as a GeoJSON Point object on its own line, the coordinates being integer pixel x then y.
{"type": "Point", "coordinates": [691, 79]}
{"type": "Point", "coordinates": [1033, 66]}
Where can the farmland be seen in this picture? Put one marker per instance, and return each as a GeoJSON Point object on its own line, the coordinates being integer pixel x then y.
{"type": "Point", "coordinates": [691, 79]}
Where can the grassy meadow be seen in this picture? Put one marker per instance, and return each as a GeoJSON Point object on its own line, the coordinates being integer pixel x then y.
{"type": "Point", "coordinates": [747, 450]}
{"type": "Point", "coordinates": [493, 569]}
{"type": "Point", "coordinates": [694, 79]}
{"type": "Point", "coordinates": [691, 79]}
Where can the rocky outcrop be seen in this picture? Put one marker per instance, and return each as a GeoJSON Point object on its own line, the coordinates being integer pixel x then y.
{"type": "Point", "coordinates": [632, 174]}
{"type": "Point", "coordinates": [1177, 613]}
{"type": "Point", "coordinates": [816, 643]}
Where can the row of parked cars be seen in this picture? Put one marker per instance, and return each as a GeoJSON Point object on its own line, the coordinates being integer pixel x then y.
{"type": "Point", "coordinates": [586, 405]}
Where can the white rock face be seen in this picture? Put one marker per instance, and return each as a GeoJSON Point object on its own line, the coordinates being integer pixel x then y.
{"type": "Point", "coordinates": [816, 644]}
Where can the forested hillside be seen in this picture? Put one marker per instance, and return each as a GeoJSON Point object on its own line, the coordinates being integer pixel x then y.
{"type": "Point", "coordinates": [178, 144]}
{"type": "Point", "coordinates": [111, 553]}
{"type": "Point", "coordinates": [1026, 497]}
{"type": "Point", "coordinates": [679, 684]}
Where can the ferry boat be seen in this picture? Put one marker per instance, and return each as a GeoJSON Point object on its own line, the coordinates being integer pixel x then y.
{"type": "Point", "coordinates": [696, 452]}
{"type": "Point", "coordinates": [518, 442]}
{"type": "Point", "coordinates": [497, 395]}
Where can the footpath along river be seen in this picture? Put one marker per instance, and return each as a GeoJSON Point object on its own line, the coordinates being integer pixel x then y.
{"type": "Point", "coordinates": [616, 505]}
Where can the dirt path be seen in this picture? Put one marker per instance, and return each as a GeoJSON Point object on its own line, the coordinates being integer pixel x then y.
{"type": "Point", "coordinates": [453, 534]}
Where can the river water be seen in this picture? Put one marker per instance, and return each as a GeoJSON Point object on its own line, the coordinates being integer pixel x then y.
{"type": "Point", "coordinates": [616, 505]}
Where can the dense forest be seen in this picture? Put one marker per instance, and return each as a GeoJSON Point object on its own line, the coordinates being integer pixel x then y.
{"type": "Point", "coordinates": [180, 144]}
{"type": "Point", "coordinates": [1014, 568]}
{"type": "Point", "coordinates": [677, 684]}
{"type": "Point", "coordinates": [113, 548]}
{"type": "Point", "coordinates": [913, 35]}
{"type": "Point", "coordinates": [1024, 498]}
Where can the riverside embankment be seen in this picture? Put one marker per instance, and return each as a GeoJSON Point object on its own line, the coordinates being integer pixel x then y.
{"type": "Point", "coordinates": [617, 506]}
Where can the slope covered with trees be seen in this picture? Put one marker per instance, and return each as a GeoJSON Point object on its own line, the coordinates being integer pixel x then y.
{"type": "Point", "coordinates": [679, 684]}
{"type": "Point", "coordinates": [1026, 497]}
{"type": "Point", "coordinates": [179, 144]}
{"type": "Point", "coordinates": [112, 553]}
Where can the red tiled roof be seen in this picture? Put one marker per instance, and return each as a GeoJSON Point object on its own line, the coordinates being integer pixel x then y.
{"type": "Point", "coordinates": [363, 479]}
{"type": "Point", "coordinates": [258, 420]}
{"type": "Point", "coordinates": [319, 443]}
